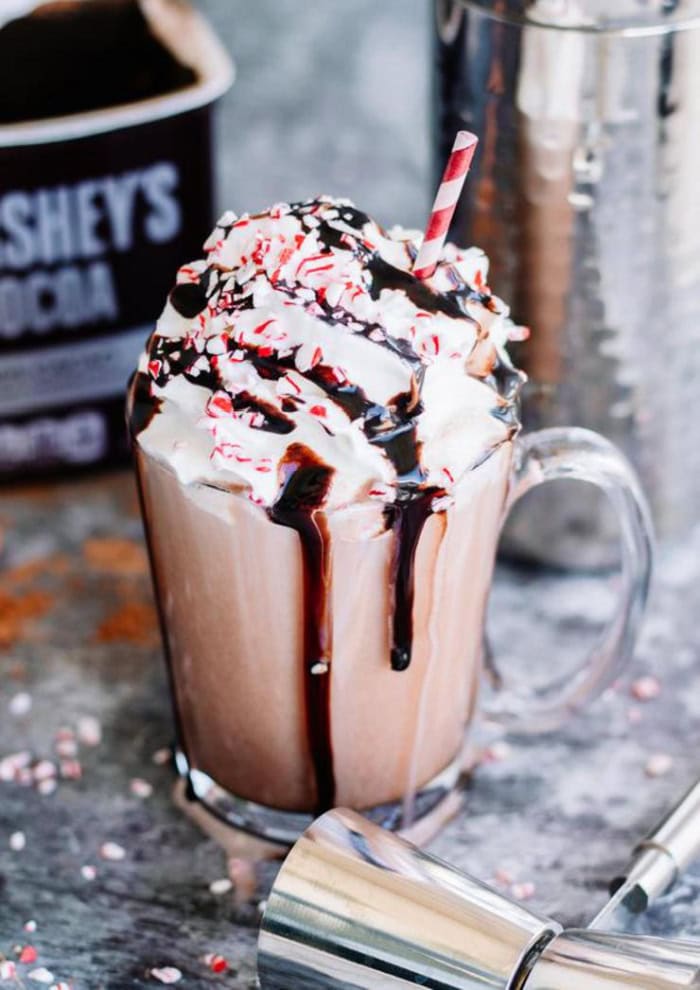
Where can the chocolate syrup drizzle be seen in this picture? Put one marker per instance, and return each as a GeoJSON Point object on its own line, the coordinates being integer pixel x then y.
{"type": "Point", "coordinates": [304, 479]}
{"type": "Point", "coordinates": [143, 405]}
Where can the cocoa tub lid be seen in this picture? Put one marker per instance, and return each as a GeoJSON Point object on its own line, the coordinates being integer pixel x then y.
{"type": "Point", "coordinates": [178, 28]}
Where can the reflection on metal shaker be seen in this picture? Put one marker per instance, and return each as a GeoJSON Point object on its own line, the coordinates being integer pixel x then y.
{"type": "Point", "coordinates": [584, 194]}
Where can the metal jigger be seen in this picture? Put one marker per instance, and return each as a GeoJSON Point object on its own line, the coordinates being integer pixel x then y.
{"type": "Point", "coordinates": [357, 908]}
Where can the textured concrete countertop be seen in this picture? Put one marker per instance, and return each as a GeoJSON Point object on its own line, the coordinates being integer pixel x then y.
{"type": "Point", "coordinates": [331, 96]}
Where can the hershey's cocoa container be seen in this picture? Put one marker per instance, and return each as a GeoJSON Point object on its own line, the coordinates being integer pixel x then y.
{"type": "Point", "coordinates": [105, 189]}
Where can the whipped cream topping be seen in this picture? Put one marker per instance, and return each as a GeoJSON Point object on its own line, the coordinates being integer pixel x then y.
{"type": "Point", "coordinates": [303, 336]}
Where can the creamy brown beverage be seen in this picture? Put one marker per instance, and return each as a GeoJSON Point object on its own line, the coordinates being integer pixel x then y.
{"type": "Point", "coordinates": [323, 444]}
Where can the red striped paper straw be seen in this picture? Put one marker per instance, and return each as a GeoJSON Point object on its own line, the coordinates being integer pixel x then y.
{"type": "Point", "coordinates": [445, 202]}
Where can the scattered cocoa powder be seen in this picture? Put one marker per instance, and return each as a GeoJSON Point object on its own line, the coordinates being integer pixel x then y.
{"type": "Point", "coordinates": [56, 565]}
{"type": "Point", "coordinates": [16, 610]}
{"type": "Point", "coordinates": [134, 622]}
{"type": "Point", "coordinates": [115, 555]}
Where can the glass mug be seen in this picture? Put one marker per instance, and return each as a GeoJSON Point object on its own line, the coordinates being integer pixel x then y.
{"type": "Point", "coordinates": [264, 739]}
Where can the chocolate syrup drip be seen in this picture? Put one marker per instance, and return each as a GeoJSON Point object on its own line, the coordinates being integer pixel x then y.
{"type": "Point", "coordinates": [407, 517]}
{"type": "Point", "coordinates": [275, 422]}
{"type": "Point", "coordinates": [304, 483]}
{"type": "Point", "coordinates": [142, 405]}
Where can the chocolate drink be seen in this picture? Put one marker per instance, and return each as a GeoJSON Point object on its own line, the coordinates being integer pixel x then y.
{"type": "Point", "coordinates": [323, 444]}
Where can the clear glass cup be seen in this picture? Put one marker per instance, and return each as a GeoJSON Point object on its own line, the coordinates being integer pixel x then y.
{"type": "Point", "coordinates": [266, 739]}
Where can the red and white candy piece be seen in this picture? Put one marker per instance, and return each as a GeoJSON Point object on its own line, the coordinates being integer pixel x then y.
{"type": "Point", "coordinates": [658, 765]}
{"type": "Point", "coordinates": [89, 730]}
{"type": "Point", "coordinates": [166, 974]}
{"type": "Point", "coordinates": [646, 688]}
{"type": "Point", "coordinates": [215, 962]}
{"type": "Point", "coordinates": [44, 770]}
{"type": "Point", "coordinates": [71, 769]}
{"type": "Point", "coordinates": [112, 851]}
{"type": "Point", "coordinates": [12, 765]}
{"type": "Point", "coordinates": [220, 405]}
{"type": "Point", "coordinates": [40, 975]}
{"type": "Point", "coordinates": [220, 887]}
{"type": "Point", "coordinates": [66, 747]}
{"type": "Point", "coordinates": [445, 203]}
{"type": "Point", "coordinates": [20, 704]}
{"type": "Point", "coordinates": [140, 788]}
{"type": "Point", "coordinates": [17, 842]}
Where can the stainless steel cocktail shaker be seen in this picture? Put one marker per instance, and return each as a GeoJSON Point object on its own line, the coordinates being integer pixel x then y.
{"type": "Point", "coordinates": [584, 194]}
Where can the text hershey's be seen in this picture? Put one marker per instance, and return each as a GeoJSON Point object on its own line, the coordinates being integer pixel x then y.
{"type": "Point", "coordinates": [55, 242]}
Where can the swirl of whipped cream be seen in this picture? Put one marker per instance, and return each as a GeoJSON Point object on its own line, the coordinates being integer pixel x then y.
{"type": "Point", "coordinates": [303, 330]}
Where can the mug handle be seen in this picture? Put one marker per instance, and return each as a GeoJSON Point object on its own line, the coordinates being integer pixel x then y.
{"type": "Point", "coordinates": [581, 455]}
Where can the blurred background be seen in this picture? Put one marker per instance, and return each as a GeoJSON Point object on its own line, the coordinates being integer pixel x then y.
{"type": "Point", "coordinates": [329, 97]}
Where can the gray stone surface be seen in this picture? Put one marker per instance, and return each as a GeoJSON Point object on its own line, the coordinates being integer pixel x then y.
{"type": "Point", "coordinates": [331, 96]}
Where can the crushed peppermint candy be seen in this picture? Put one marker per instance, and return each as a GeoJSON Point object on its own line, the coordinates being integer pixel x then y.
{"type": "Point", "coordinates": [66, 749]}
{"type": "Point", "coordinates": [112, 851]}
{"type": "Point", "coordinates": [8, 970]}
{"type": "Point", "coordinates": [497, 752]}
{"type": "Point", "coordinates": [215, 962]}
{"type": "Point", "coordinates": [503, 877]}
{"type": "Point", "coordinates": [20, 704]}
{"type": "Point", "coordinates": [220, 887]}
{"type": "Point", "coordinates": [44, 770]}
{"type": "Point", "coordinates": [166, 974]}
{"type": "Point", "coordinates": [17, 841]}
{"type": "Point", "coordinates": [523, 891]}
{"type": "Point", "coordinates": [41, 975]}
{"type": "Point", "coordinates": [61, 986]}
{"type": "Point", "coordinates": [28, 954]}
{"type": "Point", "coordinates": [162, 756]}
{"type": "Point", "coordinates": [30, 926]}
{"type": "Point", "coordinates": [89, 730]}
{"type": "Point", "coordinates": [140, 788]}
{"type": "Point", "coordinates": [646, 688]}
{"type": "Point", "coordinates": [11, 765]}
{"type": "Point", "coordinates": [88, 872]}
{"type": "Point", "coordinates": [47, 786]}
{"type": "Point", "coordinates": [658, 765]}
{"type": "Point", "coordinates": [71, 769]}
